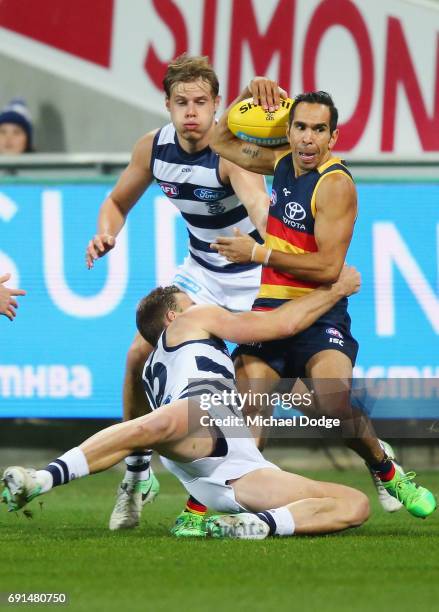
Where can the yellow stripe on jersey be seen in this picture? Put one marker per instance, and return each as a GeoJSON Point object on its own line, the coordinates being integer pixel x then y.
{"type": "Point", "coordinates": [314, 193]}
{"type": "Point", "coordinates": [278, 244]}
{"type": "Point", "coordinates": [331, 162]}
{"type": "Point", "coordinates": [282, 292]}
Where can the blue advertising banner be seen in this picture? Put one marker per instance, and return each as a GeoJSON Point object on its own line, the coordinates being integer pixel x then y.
{"type": "Point", "coordinates": [64, 355]}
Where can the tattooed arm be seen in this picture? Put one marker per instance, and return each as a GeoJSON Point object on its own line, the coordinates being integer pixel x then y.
{"type": "Point", "coordinates": [247, 155]}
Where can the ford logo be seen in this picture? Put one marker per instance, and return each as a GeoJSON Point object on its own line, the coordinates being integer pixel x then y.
{"type": "Point", "coordinates": [209, 194]}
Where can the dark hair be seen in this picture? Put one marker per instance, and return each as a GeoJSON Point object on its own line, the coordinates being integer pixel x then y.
{"type": "Point", "coordinates": [151, 311]}
{"type": "Point", "coordinates": [186, 68]}
{"type": "Point", "coordinates": [316, 97]}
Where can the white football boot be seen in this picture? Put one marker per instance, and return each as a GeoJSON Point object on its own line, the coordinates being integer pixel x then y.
{"type": "Point", "coordinates": [243, 526]}
{"type": "Point", "coordinates": [21, 487]}
{"type": "Point", "coordinates": [130, 500]}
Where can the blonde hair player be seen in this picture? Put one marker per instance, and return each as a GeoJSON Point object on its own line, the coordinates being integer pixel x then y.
{"type": "Point", "coordinates": [214, 196]}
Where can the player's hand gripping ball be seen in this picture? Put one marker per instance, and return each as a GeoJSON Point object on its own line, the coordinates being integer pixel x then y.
{"type": "Point", "coordinates": [250, 122]}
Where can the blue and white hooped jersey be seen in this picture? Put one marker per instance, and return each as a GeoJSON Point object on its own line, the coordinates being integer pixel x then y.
{"type": "Point", "coordinates": [177, 372]}
{"type": "Point", "coordinates": [209, 207]}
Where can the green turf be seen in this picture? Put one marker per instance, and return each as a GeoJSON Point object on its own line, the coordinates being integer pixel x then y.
{"type": "Point", "coordinates": [391, 563]}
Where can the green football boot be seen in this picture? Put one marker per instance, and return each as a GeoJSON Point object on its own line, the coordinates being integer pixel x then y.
{"type": "Point", "coordinates": [21, 487]}
{"type": "Point", "coordinates": [189, 525]}
{"type": "Point", "coordinates": [420, 502]}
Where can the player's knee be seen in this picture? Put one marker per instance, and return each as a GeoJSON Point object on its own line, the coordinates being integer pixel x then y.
{"type": "Point", "coordinates": [360, 508]}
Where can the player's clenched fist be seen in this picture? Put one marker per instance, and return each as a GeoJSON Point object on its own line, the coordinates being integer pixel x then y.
{"type": "Point", "coordinates": [349, 280]}
{"type": "Point", "coordinates": [98, 246]}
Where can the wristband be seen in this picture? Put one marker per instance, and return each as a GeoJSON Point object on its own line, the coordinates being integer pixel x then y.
{"type": "Point", "coordinates": [267, 257]}
{"type": "Point", "coordinates": [255, 246]}
{"type": "Point", "coordinates": [260, 254]}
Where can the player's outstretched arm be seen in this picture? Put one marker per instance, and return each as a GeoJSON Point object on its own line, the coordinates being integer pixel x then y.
{"type": "Point", "coordinates": [132, 183]}
{"type": "Point", "coordinates": [8, 303]}
{"type": "Point", "coordinates": [289, 319]}
{"type": "Point", "coordinates": [247, 155]}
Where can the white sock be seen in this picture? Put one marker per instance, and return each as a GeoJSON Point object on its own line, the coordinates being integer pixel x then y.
{"type": "Point", "coordinates": [280, 521]}
{"type": "Point", "coordinates": [137, 467]}
{"type": "Point", "coordinates": [73, 464]}
{"type": "Point", "coordinates": [45, 480]}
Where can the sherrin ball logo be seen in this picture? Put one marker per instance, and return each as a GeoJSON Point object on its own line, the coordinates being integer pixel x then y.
{"type": "Point", "coordinates": [250, 122]}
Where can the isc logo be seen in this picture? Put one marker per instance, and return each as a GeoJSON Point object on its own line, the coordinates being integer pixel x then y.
{"type": "Point", "coordinates": [170, 190]}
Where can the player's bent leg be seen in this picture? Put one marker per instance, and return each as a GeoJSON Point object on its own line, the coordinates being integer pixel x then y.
{"type": "Point", "coordinates": [329, 368]}
{"type": "Point", "coordinates": [139, 485]}
{"type": "Point", "coordinates": [252, 375]}
{"type": "Point", "coordinates": [289, 504]}
{"type": "Point", "coordinates": [98, 453]}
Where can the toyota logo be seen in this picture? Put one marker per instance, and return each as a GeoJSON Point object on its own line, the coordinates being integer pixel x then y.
{"type": "Point", "coordinates": [295, 211]}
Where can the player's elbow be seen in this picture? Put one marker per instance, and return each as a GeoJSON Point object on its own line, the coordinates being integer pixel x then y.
{"type": "Point", "coordinates": [329, 273]}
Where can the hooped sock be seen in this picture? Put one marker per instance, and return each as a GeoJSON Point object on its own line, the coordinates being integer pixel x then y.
{"type": "Point", "coordinates": [279, 520]}
{"type": "Point", "coordinates": [73, 464]}
{"type": "Point", "coordinates": [138, 466]}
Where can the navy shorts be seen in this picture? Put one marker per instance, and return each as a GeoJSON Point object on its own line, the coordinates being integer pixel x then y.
{"type": "Point", "coordinates": [289, 356]}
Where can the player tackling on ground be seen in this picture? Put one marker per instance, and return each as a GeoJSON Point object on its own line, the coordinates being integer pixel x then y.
{"type": "Point", "coordinates": [310, 224]}
{"type": "Point", "coordinates": [226, 473]}
{"type": "Point", "coordinates": [214, 196]}
{"type": "Point", "coordinates": [221, 468]}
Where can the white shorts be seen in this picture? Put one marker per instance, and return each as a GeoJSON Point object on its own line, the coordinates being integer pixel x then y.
{"type": "Point", "coordinates": [205, 479]}
{"type": "Point", "coordinates": [232, 291]}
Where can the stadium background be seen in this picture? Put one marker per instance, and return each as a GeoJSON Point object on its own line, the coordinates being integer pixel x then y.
{"type": "Point", "coordinates": [94, 90]}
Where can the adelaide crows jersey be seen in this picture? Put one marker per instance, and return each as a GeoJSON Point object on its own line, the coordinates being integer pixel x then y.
{"type": "Point", "coordinates": [290, 226]}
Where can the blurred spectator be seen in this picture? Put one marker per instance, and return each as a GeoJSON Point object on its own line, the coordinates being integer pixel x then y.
{"type": "Point", "coordinates": [16, 128]}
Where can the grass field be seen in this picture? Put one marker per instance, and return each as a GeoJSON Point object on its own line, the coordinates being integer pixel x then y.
{"type": "Point", "coordinates": [391, 563]}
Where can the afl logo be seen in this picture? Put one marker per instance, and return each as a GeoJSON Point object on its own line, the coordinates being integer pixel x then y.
{"type": "Point", "coordinates": [334, 332]}
{"type": "Point", "coordinates": [295, 211]}
{"type": "Point", "coordinates": [273, 199]}
{"type": "Point", "coordinates": [170, 190]}
{"type": "Point", "coordinates": [208, 194]}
